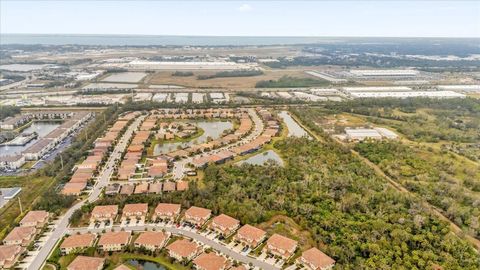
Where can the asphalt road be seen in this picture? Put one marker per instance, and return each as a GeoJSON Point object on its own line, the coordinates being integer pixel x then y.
{"type": "Point", "coordinates": [190, 234]}
{"type": "Point", "coordinates": [101, 182]}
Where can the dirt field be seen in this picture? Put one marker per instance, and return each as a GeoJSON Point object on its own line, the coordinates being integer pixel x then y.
{"type": "Point", "coordinates": [165, 77]}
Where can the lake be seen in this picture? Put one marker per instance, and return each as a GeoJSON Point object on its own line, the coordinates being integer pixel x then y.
{"type": "Point", "coordinates": [262, 158]}
{"type": "Point", "coordinates": [213, 129]}
{"type": "Point", "coordinates": [146, 265]}
{"type": "Point", "coordinates": [294, 129]}
{"type": "Point", "coordinates": [42, 129]}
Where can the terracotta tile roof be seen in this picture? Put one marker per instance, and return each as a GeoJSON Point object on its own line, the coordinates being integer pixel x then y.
{"type": "Point", "coordinates": [86, 263]}
{"type": "Point", "coordinates": [114, 238]}
{"type": "Point", "coordinates": [141, 188]}
{"type": "Point", "coordinates": [226, 222]}
{"type": "Point", "coordinates": [34, 217]}
{"type": "Point", "coordinates": [78, 241]}
{"type": "Point", "coordinates": [169, 186]}
{"type": "Point", "coordinates": [8, 253]}
{"type": "Point", "coordinates": [127, 189]}
{"type": "Point", "coordinates": [135, 208]}
{"type": "Point", "coordinates": [316, 258]}
{"type": "Point", "coordinates": [122, 267]}
{"type": "Point", "coordinates": [183, 248]}
{"type": "Point", "coordinates": [151, 238]}
{"type": "Point", "coordinates": [281, 242]}
{"type": "Point", "coordinates": [20, 234]}
{"type": "Point", "coordinates": [198, 212]}
{"type": "Point", "coordinates": [210, 261]}
{"type": "Point", "coordinates": [182, 185]}
{"type": "Point", "coordinates": [167, 208]}
{"type": "Point", "coordinates": [251, 233]}
{"type": "Point", "coordinates": [105, 210]}
{"type": "Point", "coordinates": [155, 188]}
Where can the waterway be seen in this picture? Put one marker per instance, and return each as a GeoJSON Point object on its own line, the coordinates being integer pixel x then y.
{"type": "Point", "coordinates": [262, 158]}
{"type": "Point", "coordinates": [294, 129]}
{"type": "Point", "coordinates": [42, 129]}
{"type": "Point", "coordinates": [212, 129]}
{"type": "Point", "coordinates": [146, 265]}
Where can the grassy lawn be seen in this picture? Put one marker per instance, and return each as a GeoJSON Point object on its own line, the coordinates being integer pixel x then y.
{"type": "Point", "coordinates": [32, 188]}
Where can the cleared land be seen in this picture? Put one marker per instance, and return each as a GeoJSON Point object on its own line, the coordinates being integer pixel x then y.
{"type": "Point", "coordinates": [165, 77]}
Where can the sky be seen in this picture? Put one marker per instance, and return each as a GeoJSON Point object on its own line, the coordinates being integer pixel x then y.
{"type": "Point", "coordinates": [387, 18]}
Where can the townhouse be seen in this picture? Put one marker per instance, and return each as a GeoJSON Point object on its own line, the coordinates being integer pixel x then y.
{"type": "Point", "coordinates": [166, 212]}
{"type": "Point", "coordinates": [135, 212]}
{"type": "Point", "coordinates": [224, 225]}
{"type": "Point", "coordinates": [151, 240]}
{"type": "Point", "coordinates": [77, 242]}
{"type": "Point", "coordinates": [314, 259]}
{"type": "Point", "coordinates": [114, 241]}
{"type": "Point", "coordinates": [183, 250]}
{"type": "Point", "coordinates": [281, 246]}
{"type": "Point", "coordinates": [197, 216]}
{"type": "Point", "coordinates": [22, 236]}
{"type": "Point", "coordinates": [35, 219]}
{"type": "Point", "coordinates": [86, 263]}
{"type": "Point", "coordinates": [210, 261]}
{"type": "Point", "coordinates": [250, 236]}
{"type": "Point", "coordinates": [103, 213]}
{"type": "Point", "coordinates": [9, 255]}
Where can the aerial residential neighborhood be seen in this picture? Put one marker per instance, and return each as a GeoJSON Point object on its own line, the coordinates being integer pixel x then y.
{"type": "Point", "coordinates": [239, 135]}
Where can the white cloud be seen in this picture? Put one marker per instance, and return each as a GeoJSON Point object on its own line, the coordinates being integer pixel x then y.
{"type": "Point", "coordinates": [244, 8]}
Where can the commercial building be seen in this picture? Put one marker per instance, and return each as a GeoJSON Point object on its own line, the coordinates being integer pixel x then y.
{"type": "Point", "coordinates": [411, 94]}
{"type": "Point", "coordinates": [13, 162]}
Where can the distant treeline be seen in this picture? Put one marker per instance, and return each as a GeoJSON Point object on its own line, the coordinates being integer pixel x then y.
{"type": "Point", "coordinates": [287, 81]}
{"type": "Point", "coordinates": [6, 111]}
{"type": "Point", "coordinates": [234, 73]}
{"type": "Point", "coordinates": [182, 74]}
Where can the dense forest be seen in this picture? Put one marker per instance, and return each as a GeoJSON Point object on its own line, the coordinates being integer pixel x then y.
{"type": "Point", "coordinates": [350, 213]}
{"type": "Point", "coordinates": [233, 73]}
{"type": "Point", "coordinates": [452, 187]}
{"type": "Point", "coordinates": [6, 111]}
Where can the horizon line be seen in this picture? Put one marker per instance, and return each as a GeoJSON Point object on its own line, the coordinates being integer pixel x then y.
{"type": "Point", "coordinates": [238, 36]}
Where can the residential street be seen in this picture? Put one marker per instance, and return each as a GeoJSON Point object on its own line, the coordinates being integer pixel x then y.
{"type": "Point", "coordinates": [102, 181]}
{"type": "Point", "coordinates": [190, 234]}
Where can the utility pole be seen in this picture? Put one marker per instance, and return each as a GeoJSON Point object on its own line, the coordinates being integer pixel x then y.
{"type": "Point", "coordinates": [20, 204]}
{"type": "Point", "coordinates": [61, 160]}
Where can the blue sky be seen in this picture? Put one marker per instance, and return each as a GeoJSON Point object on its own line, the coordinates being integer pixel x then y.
{"type": "Point", "coordinates": [244, 18]}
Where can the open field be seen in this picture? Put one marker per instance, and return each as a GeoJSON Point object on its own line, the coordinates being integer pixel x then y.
{"type": "Point", "coordinates": [165, 77]}
{"type": "Point", "coordinates": [32, 188]}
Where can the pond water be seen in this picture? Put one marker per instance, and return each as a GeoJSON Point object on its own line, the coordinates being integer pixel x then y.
{"type": "Point", "coordinates": [146, 265]}
{"type": "Point", "coordinates": [262, 158]}
{"type": "Point", "coordinates": [42, 129]}
{"type": "Point", "coordinates": [294, 129]}
{"type": "Point", "coordinates": [212, 129]}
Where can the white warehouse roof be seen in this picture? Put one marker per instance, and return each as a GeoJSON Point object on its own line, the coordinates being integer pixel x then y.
{"type": "Point", "coordinates": [378, 89]}
{"type": "Point", "coordinates": [384, 72]}
{"type": "Point", "coordinates": [432, 94]}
